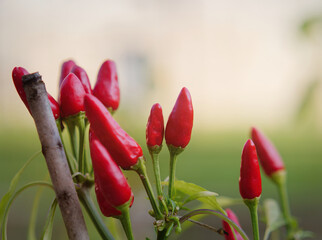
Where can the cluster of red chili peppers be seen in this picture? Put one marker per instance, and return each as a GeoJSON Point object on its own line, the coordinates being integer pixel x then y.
{"type": "Point", "coordinates": [113, 150]}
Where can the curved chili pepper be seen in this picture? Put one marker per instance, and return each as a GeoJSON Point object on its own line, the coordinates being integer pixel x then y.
{"type": "Point", "coordinates": [179, 125]}
{"type": "Point", "coordinates": [65, 70]}
{"type": "Point", "coordinates": [108, 175]}
{"type": "Point", "coordinates": [269, 157]}
{"type": "Point", "coordinates": [107, 86]}
{"type": "Point", "coordinates": [124, 150]}
{"type": "Point", "coordinates": [71, 96]}
{"type": "Point", "coordinates": [106, 208]}
{"type": "Point", "coordinates": [155, 127]}
{"type": "Point", "coordinates": [82, 76]}
{"type": "Point", "coordinates": [250, 183]}
{"type": "Point", "coordinates": [229, 229]}
{"type": "Point", "coordinates": [17, 74]}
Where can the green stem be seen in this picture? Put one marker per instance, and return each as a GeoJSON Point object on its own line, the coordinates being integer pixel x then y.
{"type": "Point", "coordinates": [140, 168]}
{"type": "Point", "coordinates": [252, 204]}
{"type": "Point", "coordinates": [280, 179]}
{"type": "Point", "coordinates": [126, 222]}
{"type": "Point", "coordinates": [70, 165]}
{"type": "Point", "coordinates": [173, 161]}
{"type": "Point", "coordinates": [81, 150]}
{"type": "Point", "coordinates": [157, 175]}
{"type": "Point", "coordinates": [156, 170]}
{"type": "Point", "coordinates": [84, 196]}
{"type": "Point", "coordinates": [217, 214]}
{"type": "Point", "coordinates": [73, 138]}
{"type": "Point", "coordinates": [282, 190]}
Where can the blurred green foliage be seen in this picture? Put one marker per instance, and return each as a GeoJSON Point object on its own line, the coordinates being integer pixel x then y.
{"type": "Point", "coordinates": [211, 160]}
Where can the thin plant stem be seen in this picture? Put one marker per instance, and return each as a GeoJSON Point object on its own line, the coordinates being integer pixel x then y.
{"type": "Point", "coordinates": [126, 222]}
{"type": "Point", "coordinates": [73, 138]}
{"type": "Point", "coordinates": [173, 161]}
{"type": "Point", "coordinates": [140, 168]}
{"type": "Point", "coordinates": [282, 190]}
{"type": "Point", "coordinates": [252, 204]}
{"type": "Point", "coordinates": [217, 214]}
{"type": "Point", "coordinates": [86, 200]}
{"type": "Point", "coordinates": [70, 165]}
{"type": "Point", "coordinates": [81, 150]}
{"type": "Point", "coordinates": [157, 175]}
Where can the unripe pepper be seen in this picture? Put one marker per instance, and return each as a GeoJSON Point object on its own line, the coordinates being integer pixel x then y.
{"type": "Point", "coordinates": [65, 70]}
{"type": "Point", "coordinates": [155, 127]}
{"type": "Point", "coordinates": [179, 125]}
{"type": "Point", "coordinates": [250, 183]}
{"type": "Point", "coordinates": [229, 229]}
{"type": "Point", "coordinates": [108, 175]}
{"type": "Point", "coordinates": [71, 97]}
{"type": "Point", "coordinates": [107, 86]}
{"type": "Point", "coordinates": [17, 74]}
{"type": "Point", "coordinates": [124, 150]}
{"type": "Point", "coordinates": [269, 157]}
{"type": "Point", "coordinates": [82, 76]}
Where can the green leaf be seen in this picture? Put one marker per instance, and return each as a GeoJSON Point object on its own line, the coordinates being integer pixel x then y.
{"type": "Point", "coordinates": [273, 217]}
{"type": "Point", "coordinates": [6, 211]}
{"type": "Point", "coordinates": [193, 192]}
{"type": "Point", "coordinates": [225, 202]}
{"type": "Point", "coordinates": [13, 185]}
{"type": "Point", "coordinates": [303, 234]}
{"type": "Point", "coordinates": [48, 228]}
{"type": "Point", "coordinates": [196, 196]}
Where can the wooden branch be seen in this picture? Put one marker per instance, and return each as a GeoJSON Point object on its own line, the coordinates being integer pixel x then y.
{"type": "Point", "coordinates": [54, 154]}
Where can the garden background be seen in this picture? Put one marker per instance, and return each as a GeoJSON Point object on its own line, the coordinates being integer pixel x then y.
{"type": "Point", "coordinates": [245, 63]}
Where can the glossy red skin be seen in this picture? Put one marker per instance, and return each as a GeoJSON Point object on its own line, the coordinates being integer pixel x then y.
{"type": "Point", "coordinates": [180, 122]}
{"type": "Point", "coordinates": [250, 183]}
{"type": "Point", "coordinates": [269, 157]}
{"type": "Point", "coordinates": [106, 208]}
{"type": "Point", "coordinates": [107, 86]}
{"type": "Point", "coordinates": [108, 175]}
{"type": "Point", "coordinates": [54, 106]}
{"type": "Point", "coordinates": [65, 70]}
{"type": "Point", "coordinates": [17, 74]}
{"type": "Point", "coordinates": [124, 150]}
{"type": "Point", "coordinates": [82, 76]}
{"type": "Point", "coordinates": [155, 126]}
{"type": "Point", "coordinates": [228, 229]}
{"type": "Point", "coordinates": [71, 97]}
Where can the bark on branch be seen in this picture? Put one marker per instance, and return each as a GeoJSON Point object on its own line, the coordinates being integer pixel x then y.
{"type": "Point", "coordinates": [53, 151]}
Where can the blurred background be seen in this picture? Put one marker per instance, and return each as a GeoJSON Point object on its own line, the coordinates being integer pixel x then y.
{"type": "Point", "coordinates": [245, 63]}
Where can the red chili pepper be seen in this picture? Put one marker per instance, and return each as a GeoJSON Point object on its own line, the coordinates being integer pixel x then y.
{"type": "Point", "coordinates": [228, 229]}
{"type": "Point", "coordinates": [269, 157]}
{"type": "Point", "coordinates": [179, 125]}
{"type": "Point", "coordinates": [124, 149]}
{"type": "Point", "coordinates": [107, 86]}
{"type": "Point", "coordinates": [106, 208]}
{"type": "Point", "coordinates": [108, 175]}
{"type": "Point", "coordinates": [82, 76]}
{"type": "Point", "coordinates": [71, 97]}
{"type": "Point", "coordinates": [250, 183]}
{"type": "Point", "coordinates": [155, 127]}
{"type": "Point", "coordinates": [65, 70]}
{"type": "Point", "coordinates": [17, 74]}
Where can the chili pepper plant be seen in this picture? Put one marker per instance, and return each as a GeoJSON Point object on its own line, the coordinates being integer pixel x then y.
{"type": "Point", "coordinates": [105, 192]}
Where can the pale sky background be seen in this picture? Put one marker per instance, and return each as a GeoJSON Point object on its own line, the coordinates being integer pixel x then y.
{"type": "Point", "coordinates": [244, 62]}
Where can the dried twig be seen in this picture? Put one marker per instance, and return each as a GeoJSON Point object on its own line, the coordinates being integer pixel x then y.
{"type": "Point", "coordinates": [53, 151]}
